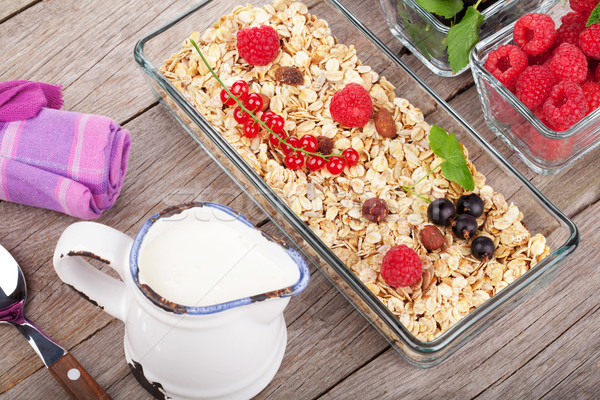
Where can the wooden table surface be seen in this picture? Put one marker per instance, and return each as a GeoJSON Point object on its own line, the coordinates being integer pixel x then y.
{"type": "Point", "coordinates": [548, 347]}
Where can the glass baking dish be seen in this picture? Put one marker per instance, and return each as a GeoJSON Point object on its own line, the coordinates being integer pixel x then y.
{"type": "Point", "coordinates": [425, 36]}
{"type": "Point", "coordinates": [544, 150]}
{"type": "Point", "coordinates": [562, 235]}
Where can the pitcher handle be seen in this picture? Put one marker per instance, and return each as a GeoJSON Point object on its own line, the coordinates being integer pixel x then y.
{"type": "Point", "coordinates": [103, 243]}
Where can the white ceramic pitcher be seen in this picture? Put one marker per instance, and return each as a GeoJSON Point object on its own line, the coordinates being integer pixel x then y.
{"type": "Point", "coordinates": [230, 350]}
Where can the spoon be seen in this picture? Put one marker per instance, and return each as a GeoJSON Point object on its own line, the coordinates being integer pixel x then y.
{"type": "Point", "coordinates": [76, 381]}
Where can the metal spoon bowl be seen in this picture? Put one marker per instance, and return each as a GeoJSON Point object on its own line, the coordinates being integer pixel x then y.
{"type": "Point", "coordinates": [76, 381]}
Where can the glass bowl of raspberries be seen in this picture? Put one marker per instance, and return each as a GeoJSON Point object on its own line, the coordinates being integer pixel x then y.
{"type": "Point", "coordinates": [425, 27]}
{"type": "Point", "coordinates": [539, 83]}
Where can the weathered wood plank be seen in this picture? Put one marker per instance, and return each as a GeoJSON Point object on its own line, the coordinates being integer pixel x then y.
{"type": "Point", "coordinates": [92, 58]}
{"type": "Point", "coordinates": [9, 8]}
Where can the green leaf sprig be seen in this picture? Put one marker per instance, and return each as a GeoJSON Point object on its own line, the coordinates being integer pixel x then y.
{"type": "Point", "coordinates": [254, 117]}
{"type": "Point", "coordinates": [594, 16]}
{"type": "Point", "coordinates": [454, 167]}
{"type": "Point", "coordinates": [462, 36]}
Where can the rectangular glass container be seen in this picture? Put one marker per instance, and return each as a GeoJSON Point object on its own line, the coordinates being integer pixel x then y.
{"type": "Point", "coordinates": [562, 235]}
{"type": "Point", "coordinates": [544, 150]}
{"type": "Point", "coordinates": [425, 36]}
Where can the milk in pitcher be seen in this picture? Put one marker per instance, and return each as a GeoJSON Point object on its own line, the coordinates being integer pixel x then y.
{"type": "Point", "coordinates": [203, 256]}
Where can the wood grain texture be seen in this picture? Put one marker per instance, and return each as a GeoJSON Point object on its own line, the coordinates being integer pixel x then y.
{"type": "Point", "coordinates": [546, 348]}
{"type": "Point", "coordinates": [10, 8]}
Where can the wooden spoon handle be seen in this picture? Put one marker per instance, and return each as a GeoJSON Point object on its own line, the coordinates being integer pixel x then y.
{"type": "Point", "coordinates": [76, 381]}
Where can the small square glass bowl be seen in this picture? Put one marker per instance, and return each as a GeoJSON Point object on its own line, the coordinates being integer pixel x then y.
{"type": "Point", "coordinates": [544, 150]}
{"type": "Point", "coordinates": [425, 36]}
{"type": "Point", "coordinates": [541, 216]}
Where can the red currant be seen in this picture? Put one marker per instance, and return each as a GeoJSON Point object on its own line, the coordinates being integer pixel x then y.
{"type": "Point", "coordinates": [254, 102]}
{"type": "Point", "coordinates": [309, 143]}
{"type": "Point", "coordinates": [315, 163]}
{"type": "Point", "coordinates": [294, 161]}
{"type": "Point", "coordinates": [239, 89]}
{"type": "Point", "coordinates": [293, 142]}
{"type": "Point", "coordinates": [276, 123]}
{"type": "Point", "coordinates": [274, 140]}
{"type": "Point", "coordinates": [266, 116]}
{"type": "Point", "coordinates": [335, 165]}
{"type": "Point", "coordinates": [251, 129]}
{"type": "Point", "coordinates": [240, 116]}
{"type": "Point", "coordinates": [350, 156]}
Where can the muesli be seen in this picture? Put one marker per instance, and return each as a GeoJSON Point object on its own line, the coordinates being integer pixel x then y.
{"type": "Point", "coordinates": [356, 206]}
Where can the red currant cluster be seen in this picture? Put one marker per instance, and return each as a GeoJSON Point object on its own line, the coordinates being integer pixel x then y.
{"type": "Point", "coordinates": [297, 151]}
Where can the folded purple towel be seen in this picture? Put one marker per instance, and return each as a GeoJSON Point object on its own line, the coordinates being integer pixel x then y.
{"type": "Point", "coordinates": [64, 161]}
{"type": "Point", "coordinates": [23, 99]}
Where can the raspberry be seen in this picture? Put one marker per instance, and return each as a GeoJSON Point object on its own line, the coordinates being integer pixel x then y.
{"type": "Point", "coordinates": [548, 149]}
{"type": "Point", "coordinates": [591, 91]}
{"type": "Point", "coordinates": [506, 62]}
{"type": "Point", "coordinates": [584, 7]}
{"type": "Point", "coordinates": [540, 59]}
{"type": "Point", "coordinates": [351, 106]}
{"type": "Point", "coordinates": [589, 41]}
{"type": "Point", "coordinates": [401, 266]}
{"type": "Point", "coordinates": [565, 105]}
{"type": "Point", "coordinates": [568, 63]}
{"type": "Point", "coordinates": [534, 33]}
{"type": "Point", "coordinates": [534, 86]}
{"type": "Point", "coordinates": [574, 19]}
{"type": "Point", "coordinates": [597, 74]}
{"type": "Point", "coordinates": [567, 34]}
{"type": "Point", "coordinates": [539, 112]}
{"type": "Point", "coordinates": [258, 45]}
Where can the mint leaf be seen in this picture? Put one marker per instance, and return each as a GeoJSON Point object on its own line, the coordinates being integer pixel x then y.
{"type": "Point", "coordinates": [454, 166]}
{"type": "Point", "coordinates": [462, 37]}
{"type": "Point", "coordinates": [594, 16]}
{"type": "Point", "coordinates": [445, 8]}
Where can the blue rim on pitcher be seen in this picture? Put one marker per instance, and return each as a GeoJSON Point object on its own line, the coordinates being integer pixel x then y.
{"type": "Point", "coordinates": [170, 306]}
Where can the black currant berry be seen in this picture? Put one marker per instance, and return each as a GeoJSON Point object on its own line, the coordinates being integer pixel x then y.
{"type": "Point", "coordinates": [470, 204]}
{"type": "Point", "coordinates": [465, 226]}
{"type": "Point", "coordinates": [482, 248]}
{"type": "Point", "coordinates": [441, 211]}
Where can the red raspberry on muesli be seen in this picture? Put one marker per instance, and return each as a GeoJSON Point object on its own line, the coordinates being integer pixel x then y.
{"type": "Point", "coordinates": [506, 63]}
{"type": "Point", "coordinates": [534, 33]}
{"type": "Point", "coordinates": [258, 45]}
{"type": "Point", "coordinates": [352, 106]}
{"type": "Point", "coordinates": [401, 266]}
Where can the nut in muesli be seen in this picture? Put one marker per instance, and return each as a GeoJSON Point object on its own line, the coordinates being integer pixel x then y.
{"type": "Point", "coordinates": [384, 123]}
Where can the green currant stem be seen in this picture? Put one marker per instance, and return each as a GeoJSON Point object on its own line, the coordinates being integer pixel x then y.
{"type": "Point", "coordinates": [251, 114]}
{"type": "Point", "coordinates": [477, 4]}
{"type": "Point", "coordinates": [425, 176]}
{"type": "Point", "coordinates": [408, 190]}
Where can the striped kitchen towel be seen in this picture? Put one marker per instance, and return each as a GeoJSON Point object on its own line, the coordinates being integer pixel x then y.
{"type": "Point", "coordinates": [64, 161]}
